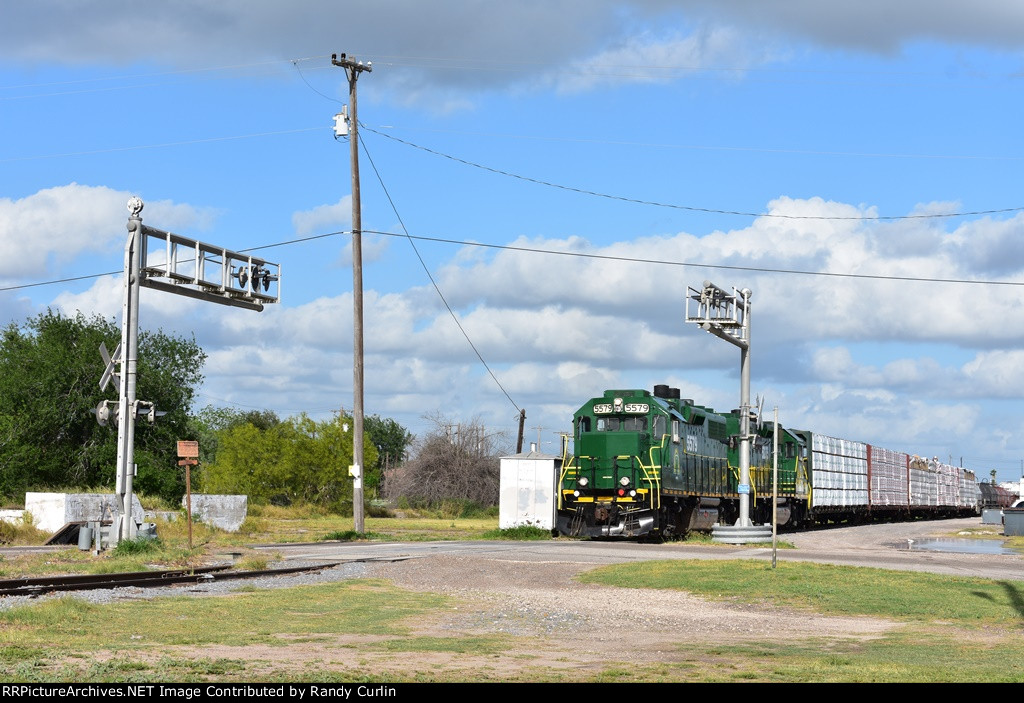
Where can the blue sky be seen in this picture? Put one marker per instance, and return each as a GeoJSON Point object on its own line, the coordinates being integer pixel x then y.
{"type": "Point", "coordinates": [831, 138]}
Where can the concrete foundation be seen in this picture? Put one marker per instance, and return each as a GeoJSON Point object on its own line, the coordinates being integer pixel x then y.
{"type": "Point", "coordinates": [221, 511]}
{"type": "Point", "coordinates": [15, 517]}
{"type": "Point", "coordinates": [51, 511]}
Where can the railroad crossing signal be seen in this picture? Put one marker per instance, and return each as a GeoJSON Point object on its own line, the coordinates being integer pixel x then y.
{"type": "Point", "coordinates": [727, 316]}
{"type": "Point", "coordinates": [106, 411]}
{"type": "Point", "coordinates": [154, 258]}
{"type": "Point", "coordinates": [109, 362]}
{"type": "Point", "coordinates": [109, 411]}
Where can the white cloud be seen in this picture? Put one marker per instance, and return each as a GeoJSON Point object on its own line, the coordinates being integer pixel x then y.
{"type": "Point", "coordinates": [44, 231]}
{"type": "Point", "coordinates": [648, 59]}
{"type": "Point", "coordinates": [556, 331]}
{"type": "Point", "coordinates": [324, 218]}
{"type": "Point", "coordinates": [998, 373]}
{"type": "Point", "coordinates": [55, 225]}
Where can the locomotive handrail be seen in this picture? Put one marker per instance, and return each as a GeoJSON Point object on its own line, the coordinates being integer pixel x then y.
{"type": "Point", "coordinates": [567, 463]}
{"type": "Point", "coordinates": [655, 481]}
{"type": "Point", "coordinates": [802, 462]}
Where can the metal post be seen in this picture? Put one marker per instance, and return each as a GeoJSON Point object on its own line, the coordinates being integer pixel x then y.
{"type": "Point", "coordinates": [126, 527]}
{"type": "Point", "coordinates": [727, 316]}
{"type": "Point", "coordinates": [744, 520]}
{"type": "Point", "coordinates": [775, 486]}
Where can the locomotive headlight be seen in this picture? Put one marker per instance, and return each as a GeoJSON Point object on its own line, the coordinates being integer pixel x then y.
{"type": "Point", "coordinates": [632, 494]}
{"type": "Point", "coordinates": [576, 494]}
{"type": "Point", "coordinates": [582, 482]}
{"type": "Point", "coordinates": [624, 480]}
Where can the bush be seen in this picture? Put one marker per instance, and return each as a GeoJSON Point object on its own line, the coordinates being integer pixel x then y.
{"type": "Point", "coordinates": [454, 462]}
{"type": "Point", "coordinates": [139, 545]}
{"type": "Point", "coordinates": [25, 533]}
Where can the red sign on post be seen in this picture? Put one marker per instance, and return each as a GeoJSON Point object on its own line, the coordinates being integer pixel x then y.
{"type": "Point", "coordinates": [188, 449]}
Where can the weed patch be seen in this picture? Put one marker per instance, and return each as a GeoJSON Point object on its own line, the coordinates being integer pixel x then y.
{"type": "Point", "coordinates": [519, 532]}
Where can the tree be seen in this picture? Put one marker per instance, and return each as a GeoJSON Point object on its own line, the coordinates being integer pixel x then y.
{"type": "Point", "coordinates": [295, 460]}
{"type": "Point", "coordinates": [207, 425]}
{"type": "Point", "coordinates": [453, 461]}
{"type": "Point", "coordinates": [49, 372]}
{"type": "Point", "coordinates": [392, 442]}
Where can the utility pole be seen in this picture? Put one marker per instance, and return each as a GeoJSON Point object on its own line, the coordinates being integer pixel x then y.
{"type": "Point", "coordinates": [519, 441]}
{"type": "Point", "coordinates": [352, 69]}
{"type": "Point", "coordinates": [538, 428]}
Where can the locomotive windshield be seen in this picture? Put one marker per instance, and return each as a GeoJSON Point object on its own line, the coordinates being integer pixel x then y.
{"type": "Point", "coordinates": [625, 424]}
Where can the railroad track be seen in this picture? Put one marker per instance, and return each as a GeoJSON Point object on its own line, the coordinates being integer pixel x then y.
{"type": "Point", "coordinates": [41, 585]}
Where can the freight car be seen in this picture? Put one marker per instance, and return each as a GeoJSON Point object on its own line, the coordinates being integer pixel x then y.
{"type": "Point", "coordinates": [996, 497]}
{"type": "Point", "coordinates": [659, 465]}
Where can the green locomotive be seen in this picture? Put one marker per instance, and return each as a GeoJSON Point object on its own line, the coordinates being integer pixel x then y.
{"type": "Point", "coordinates": [658, 465]}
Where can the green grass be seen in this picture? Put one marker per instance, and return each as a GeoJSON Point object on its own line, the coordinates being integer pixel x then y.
{"type": "Point", "coordinates": [946, 628]}
{"type": "Point", "coordinates": [830, 589]}
{"type": "Point", "coordinates": [949, 629]}
{"type": "Point", "coordinates": [520, 532]}
{"type": "Point", "coordinates": [140, 545]}
{"type": "Point", "coordinates": [23, 532]}
{"type": "Point", "coordinates": [245, 618]}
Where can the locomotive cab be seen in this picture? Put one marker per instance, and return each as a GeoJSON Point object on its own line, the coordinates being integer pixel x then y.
{"type": "Point", "coordinates": [607, 487]}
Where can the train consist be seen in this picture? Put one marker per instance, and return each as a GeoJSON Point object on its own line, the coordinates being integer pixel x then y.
{"type": "Point", "coordinates": [657, 465]}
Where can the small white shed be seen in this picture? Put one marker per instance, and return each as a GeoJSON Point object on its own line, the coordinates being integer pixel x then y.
{"type": "Point", "coordinates": [529, 483]}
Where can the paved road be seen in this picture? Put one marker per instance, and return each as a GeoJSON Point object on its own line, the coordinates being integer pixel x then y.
{"type": "Point", "coordinates": [882, 546]}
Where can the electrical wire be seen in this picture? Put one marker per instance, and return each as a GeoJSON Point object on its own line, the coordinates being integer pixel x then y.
{"type": "Point", "coordinates": [723, 267]}
{"type": "Point", "coordinates": [578, 254]}
{"type": "Point", "coordinates": [134, 77]}
{"type": "Point", "coordinates": [688, 208]}
{"type": "Point", "coordinates": [310, 86]}
{"type": "Point", "coordinates": [137, 147]}
{"type": "Point", "coordinates": [437, 288]}
{"type": "Point", "coordinates": [713, 147]}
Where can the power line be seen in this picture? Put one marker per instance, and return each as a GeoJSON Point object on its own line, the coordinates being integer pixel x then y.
{"type": "Point", "coordinates": [586, 67]}
{"type": "Point", "coordinates": [724, 267]}
{"type": "Point", "coordinates": [310, 86]}
{"type": "Point", "coordinates": [163, 144]}
{"type": "Point", "coordinates": [60, 280]}
{"type": "Point", "coordinates": [134, 77]}
{"type": "Point", "coordinates": [578, 254]}
{"type": "Point", "coordinates": [715, 147]}
{"type": "Point", "coordinates": [689, 208]}
{"type": "Point", "coordinates": [434, 283]}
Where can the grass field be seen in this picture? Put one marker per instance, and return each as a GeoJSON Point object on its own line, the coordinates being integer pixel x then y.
{"type": "Point", "coordinates": [950, 629]}
{"type": "Point", "coordinates": [945, 629]}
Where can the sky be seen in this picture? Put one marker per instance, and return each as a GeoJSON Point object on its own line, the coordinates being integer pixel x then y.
{"type": "Point", "coordinates": [565, 170]}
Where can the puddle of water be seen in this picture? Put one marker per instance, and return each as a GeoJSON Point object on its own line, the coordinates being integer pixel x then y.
{"type": "Point", "coordinates": [960, 546]}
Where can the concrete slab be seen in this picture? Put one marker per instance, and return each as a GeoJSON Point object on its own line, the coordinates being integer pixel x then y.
{"type": "Point", "coordinates": [51, 511]}
{"type": "Point", "coordinates": [226, 512]}
{"type": "Point", "coordinates": [15, 517]}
